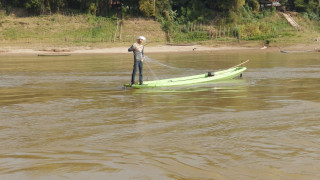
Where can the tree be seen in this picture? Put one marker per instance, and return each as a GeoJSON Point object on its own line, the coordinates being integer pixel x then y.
{"type": "Point", "coordinates": [254, 4]}
{"type": "Point", "coordinates": [33, 6]}
{"type": "Point", "coordinates": [147, 7]}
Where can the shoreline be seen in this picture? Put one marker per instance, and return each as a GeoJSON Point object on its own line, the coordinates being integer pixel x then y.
{"type": "Point", "coordinates": [8, 51]}
{"type": "Point", "coordinates": [115, 50]}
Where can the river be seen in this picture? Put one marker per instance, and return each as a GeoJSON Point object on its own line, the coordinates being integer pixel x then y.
{"type": "Point", "coordinates": [70, 118]}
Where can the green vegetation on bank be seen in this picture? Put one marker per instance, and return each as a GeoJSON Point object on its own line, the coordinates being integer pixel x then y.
{"type": "Point", "coordinates": [54, 27]}
{"type": "Point", "coordinates": [77, 30]}
{"type": "Point", "coordinates": [188, 10]}
{"type": "Point", "coordinates": [98, 22]}
{"type": "Point", "coordinates": [57, 29]}
{"type": "Point", "coordinates": [89, 30]}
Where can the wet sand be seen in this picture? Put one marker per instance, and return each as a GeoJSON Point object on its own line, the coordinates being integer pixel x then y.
{"type": "Point", "coordinates": [150, 49]}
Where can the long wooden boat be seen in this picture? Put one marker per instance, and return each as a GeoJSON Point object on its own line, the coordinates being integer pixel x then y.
{"type": "Point", "coordinates": [201, 78]}
{"type": "Point", "coordinates": [296, 51]}
{"type": "Point", "coordinates": [54, 54]}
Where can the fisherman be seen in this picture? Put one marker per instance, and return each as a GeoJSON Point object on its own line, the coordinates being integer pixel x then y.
{"type": "Point", "coordinates": [138, 54]}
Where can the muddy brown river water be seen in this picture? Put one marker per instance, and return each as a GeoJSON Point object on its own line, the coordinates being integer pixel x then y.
{"type": "Point", "coordinates": [69, 118]}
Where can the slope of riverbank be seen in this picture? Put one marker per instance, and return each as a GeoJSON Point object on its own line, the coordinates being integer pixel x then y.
{"type": "Point", "coordinates": [79, 30]}
{"type": "Point", "coordinates": [90, 34]}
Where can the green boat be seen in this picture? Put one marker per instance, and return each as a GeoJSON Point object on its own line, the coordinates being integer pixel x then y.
{"type": "Point", "coordinates": [201, 78]}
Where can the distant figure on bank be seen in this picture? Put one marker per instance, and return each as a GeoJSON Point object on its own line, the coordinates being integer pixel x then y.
{"type": "Point", "coordinates": [138, 54]}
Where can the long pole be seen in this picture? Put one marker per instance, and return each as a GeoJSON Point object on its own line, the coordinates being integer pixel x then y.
{"type": "Point", "coordinates": [241, 63]}
{"type": "Point", "coordinates": [115, 33]}
{"type": "Point", "coordinates": [154, 7]}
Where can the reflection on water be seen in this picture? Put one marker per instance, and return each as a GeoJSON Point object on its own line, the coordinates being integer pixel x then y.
{"type": "Point", "coordinates": [69, 118]}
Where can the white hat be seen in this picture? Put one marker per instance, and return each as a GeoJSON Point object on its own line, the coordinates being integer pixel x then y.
{"type": "Point", "coordinates": [141, 37]}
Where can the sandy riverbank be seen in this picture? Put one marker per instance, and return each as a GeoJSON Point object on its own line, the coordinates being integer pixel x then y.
{"type": "Point", "coordinates": [150, 49]}
{"type": "Point", "coordinates": [118, 50]}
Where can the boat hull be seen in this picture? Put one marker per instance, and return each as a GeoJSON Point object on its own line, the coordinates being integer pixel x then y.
{"type": "Point", "coordinates": [201, 78]}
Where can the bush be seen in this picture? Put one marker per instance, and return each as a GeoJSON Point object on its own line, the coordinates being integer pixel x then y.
{"type": "Point", "coordinates": [311, 16]}
{"type": "Point", "coordinates": [256, 31]}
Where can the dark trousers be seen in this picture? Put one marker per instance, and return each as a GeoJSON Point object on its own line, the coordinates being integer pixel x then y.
{"type": "Point", "coordinates": [136, 65]}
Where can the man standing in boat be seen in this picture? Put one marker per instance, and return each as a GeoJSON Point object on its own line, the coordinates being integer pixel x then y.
{"type": "Point", "coordinates": [138, 54]}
